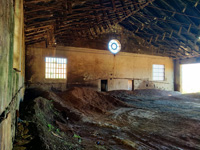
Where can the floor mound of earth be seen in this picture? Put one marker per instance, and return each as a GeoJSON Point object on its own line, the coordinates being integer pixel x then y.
{"type": "Point", "coordinates": [89, 101]}
{"type": "Point", "coordinates": [81, 118]}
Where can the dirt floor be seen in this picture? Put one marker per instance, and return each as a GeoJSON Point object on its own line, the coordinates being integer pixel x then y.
{"type": "Point", "coordinates": [81, 118]}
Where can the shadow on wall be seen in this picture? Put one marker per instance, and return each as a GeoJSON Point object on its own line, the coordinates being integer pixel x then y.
{"type": "Point", "coordinates": [56, 87]}
{"type": "Point", "coordinates": [145, 85]}
{"type": "Point", "coordinates": [89, 84]}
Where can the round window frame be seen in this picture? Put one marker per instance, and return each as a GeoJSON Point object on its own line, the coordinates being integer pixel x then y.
{"type": "Point", "coordinates": [118, 46]}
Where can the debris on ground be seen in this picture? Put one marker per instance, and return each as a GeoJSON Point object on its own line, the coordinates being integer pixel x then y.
{"type": "Point", "coordinates": [84, 119]}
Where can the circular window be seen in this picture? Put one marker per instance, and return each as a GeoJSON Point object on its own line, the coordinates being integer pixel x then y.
{"type": "Point", "coordinates": [114, 46]}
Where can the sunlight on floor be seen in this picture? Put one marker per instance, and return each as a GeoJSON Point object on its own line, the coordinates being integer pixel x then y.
{"type": "Point", "coordinates": [191, 78]}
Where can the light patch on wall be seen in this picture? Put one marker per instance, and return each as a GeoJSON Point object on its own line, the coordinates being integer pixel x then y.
{"type": "Point", "coordinates": [55, 68]}
{"type": "Point", "coordinates": [190, 78]}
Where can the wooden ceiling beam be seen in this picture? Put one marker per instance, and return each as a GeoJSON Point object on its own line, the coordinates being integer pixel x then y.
{"type": "Point", "coordinates": [92, 18]}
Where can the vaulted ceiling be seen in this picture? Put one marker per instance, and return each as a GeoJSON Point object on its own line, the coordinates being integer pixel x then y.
{"type": "Point", "coordinates": [172, 27]}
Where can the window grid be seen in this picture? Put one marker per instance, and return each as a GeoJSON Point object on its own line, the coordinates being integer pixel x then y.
{"type": "Point", "coordinates": [55, 68]}
{"type": "Point", "coordinates": [158, 72]}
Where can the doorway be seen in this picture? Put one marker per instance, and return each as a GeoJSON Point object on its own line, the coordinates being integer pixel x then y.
{"type": "Point", "coordinates": [190, 78]}
{"type": "Point", "coordinates": [104, 85]}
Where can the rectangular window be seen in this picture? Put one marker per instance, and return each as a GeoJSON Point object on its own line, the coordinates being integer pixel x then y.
{"type": "Point", "coordinates": [158, 72]}
{"type": "Point", "coordinates": [55, 68]}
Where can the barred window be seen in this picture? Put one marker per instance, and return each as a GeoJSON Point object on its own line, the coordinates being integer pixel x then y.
{"type": "Point", "coordinates": [55, 68]}
{"type": "Point", "coordinates": [158, 72]}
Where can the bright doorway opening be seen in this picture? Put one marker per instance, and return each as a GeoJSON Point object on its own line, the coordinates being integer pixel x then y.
{"type": "Point", "coordinates": [190, 78]}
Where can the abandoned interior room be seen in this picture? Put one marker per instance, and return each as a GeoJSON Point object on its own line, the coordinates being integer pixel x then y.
{"type": "Point", "coordinates": [99, 75]}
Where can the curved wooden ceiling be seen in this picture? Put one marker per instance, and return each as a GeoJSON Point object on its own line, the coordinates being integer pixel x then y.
{"type": "Point", "coordinates": [171, 26]}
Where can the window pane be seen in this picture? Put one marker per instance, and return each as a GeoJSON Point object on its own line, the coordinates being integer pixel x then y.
{"type": "Point", "coordinates": [155, 70]}
{"type": "Point", "coordinates": [55, 68]}
{"type": "Point", "coordinates": [161, 74]}
{"type": "Point", "coordinates": [161, 66]}
{"type": "Point", "coordinates": [155, 74]}
{"type": "Point", "coordinates": [158, 72]}
{"type": "Point", "coordinates": [57, 60]}
{"type": "Point", "coordinates": [161, 70]}
{"type": "Point", "coordinates": [155, 66]}
{"type": "Point", "coordinates": [47, 75]}
{"type": "Point", "coordinates": [155, 78]}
